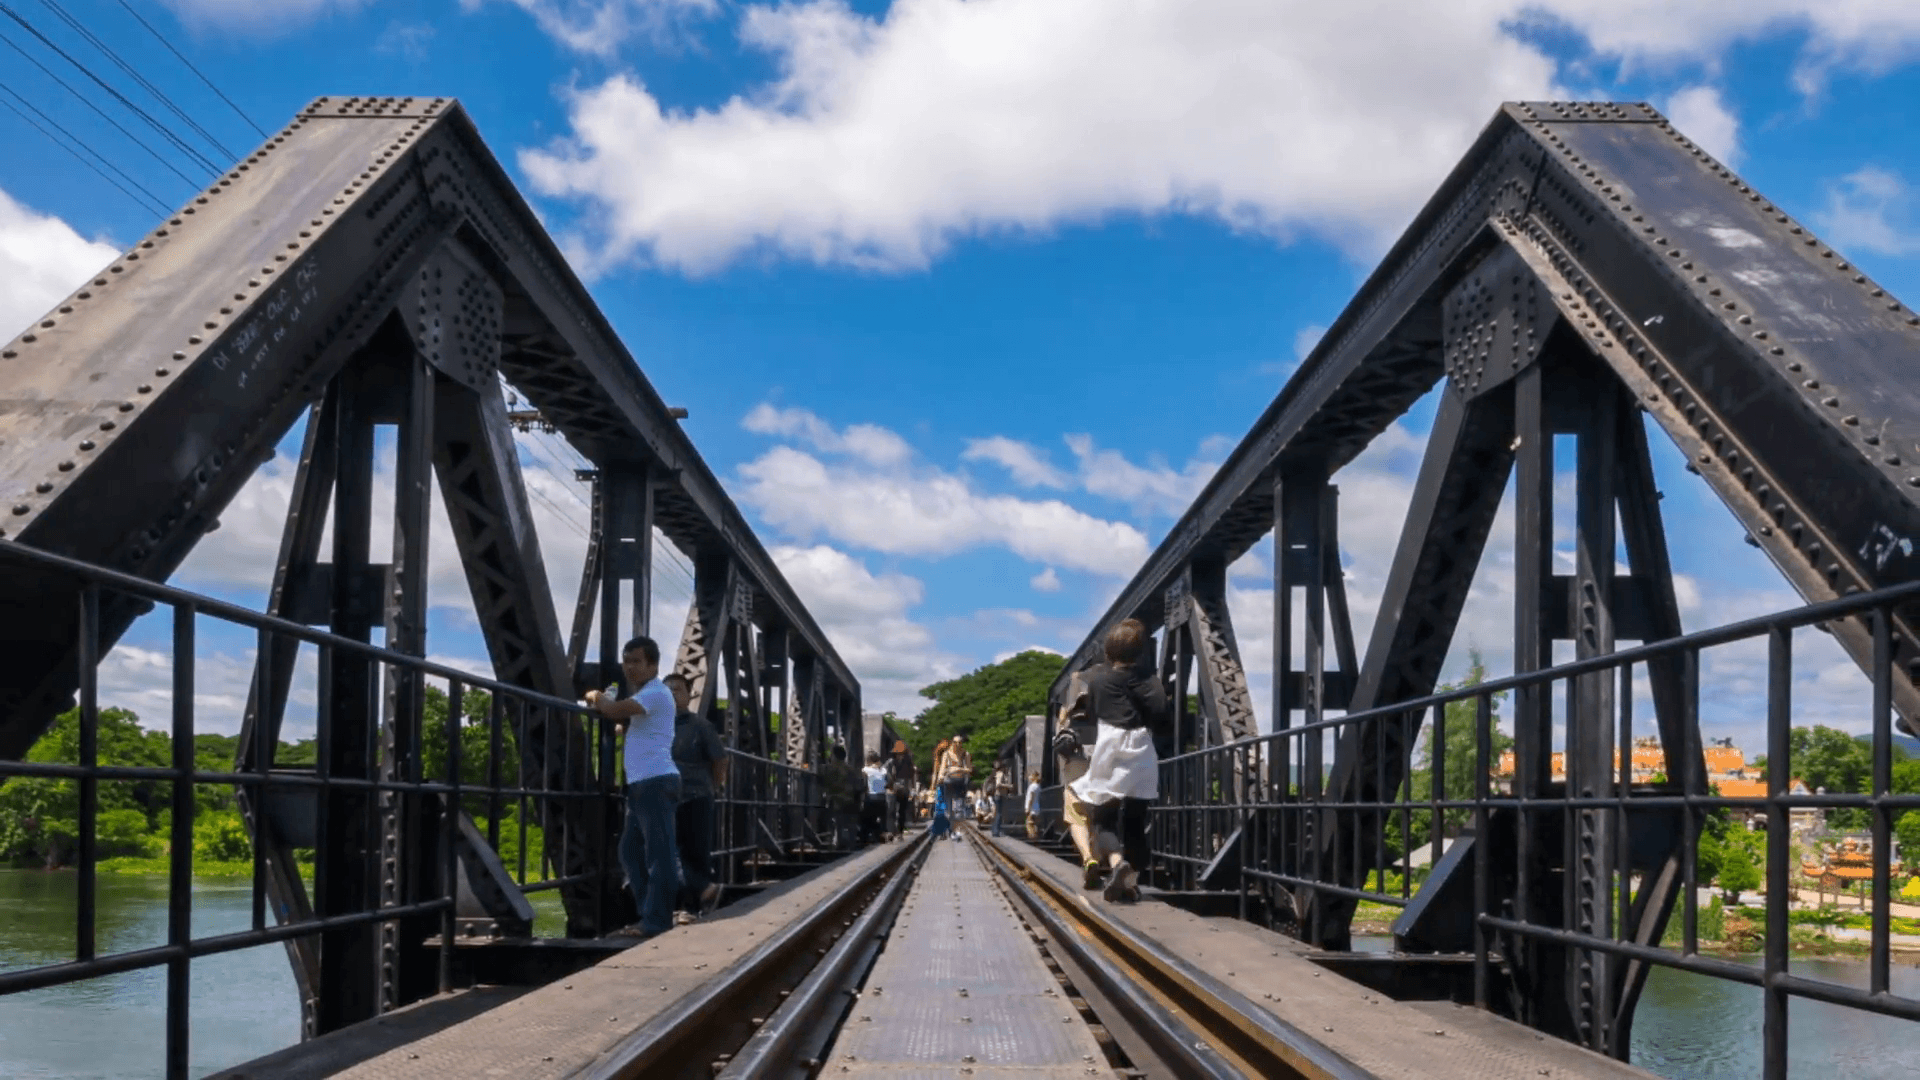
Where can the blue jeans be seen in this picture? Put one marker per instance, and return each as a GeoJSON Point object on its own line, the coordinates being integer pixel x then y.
{"type": "Point", "coordinates": [647, 850]}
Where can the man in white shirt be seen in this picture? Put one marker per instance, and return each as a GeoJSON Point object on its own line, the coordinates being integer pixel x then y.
{"type": "Point", "coordinates": [647, 848]}
{"type": "Point", "coordinates": [1033, 805]}
{"type": "Point", "coordinates": [873, 813]}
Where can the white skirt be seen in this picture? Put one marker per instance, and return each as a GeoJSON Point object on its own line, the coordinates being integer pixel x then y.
{"type": "Point", "coordinates": [1123, 765]}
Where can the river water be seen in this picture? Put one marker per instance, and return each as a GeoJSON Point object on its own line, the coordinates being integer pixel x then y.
{"type": "Point", "coordinates": [243, 1005]}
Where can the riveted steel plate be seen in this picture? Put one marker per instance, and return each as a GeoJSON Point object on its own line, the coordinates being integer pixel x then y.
{"type": "Point", "coordinates": [961, 986]}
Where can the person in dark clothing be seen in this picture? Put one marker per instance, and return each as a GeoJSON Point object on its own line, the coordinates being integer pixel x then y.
{"type": "Point", "coordinates": [843, 785]}
{"type": "Point", "coordinates": [902, 777]}
{"type": "Point", "coordinates": [702, 760]}
{"type": "Point", "coordinates": [1129, 702]}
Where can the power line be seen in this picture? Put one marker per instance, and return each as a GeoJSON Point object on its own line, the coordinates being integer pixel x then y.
{"type": "Point", "coordinates": [177, 54]}
{"type": "Point", "coordinates": [84, 100]}
{"type": "Point", "coordinates": [155, 204]}
{"type": "Point", "coordinates": [164, 131]}
{"type": "Point", "coordinates": [159, 95]}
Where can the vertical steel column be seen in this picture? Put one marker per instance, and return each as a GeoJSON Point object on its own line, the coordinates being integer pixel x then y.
{"type": "Point", "coordinates": [1590, 743]}
{"type": "Point", "coordinates": [625, 540]}
{"type": "Point", "coordinates": [293, 595]}
{"type": "Point", "coordinates": [1532, 643]}
{"type": "Point", "coordinates": [349, 956]}
{"type": "Point", "coordinates": [408, 865]}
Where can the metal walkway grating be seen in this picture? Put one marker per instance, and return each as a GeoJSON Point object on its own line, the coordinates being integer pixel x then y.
{"type": "Point", "coordinates": [961, 990]}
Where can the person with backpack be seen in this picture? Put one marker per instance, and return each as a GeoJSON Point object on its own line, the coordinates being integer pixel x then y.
{"type": "Point", "coordinates": [902, 778]}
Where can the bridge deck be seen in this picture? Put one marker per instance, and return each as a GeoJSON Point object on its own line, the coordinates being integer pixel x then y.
{"type": "Point", "coordinates": [960, 986]}
{"type": "Point", "coordinates": [1393, 1040]}
{"type": "Point", "coordinates": [568, 1025]}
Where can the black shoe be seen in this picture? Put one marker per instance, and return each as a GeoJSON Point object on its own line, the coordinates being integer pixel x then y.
{"type": "Point", "coordinates": [1091, 874]}
{"type": "Point", "coordinates": [1122, 883]}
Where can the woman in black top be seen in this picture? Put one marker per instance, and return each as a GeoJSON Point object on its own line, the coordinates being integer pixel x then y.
{"type": "Point", "coordinates": [1127, 699]}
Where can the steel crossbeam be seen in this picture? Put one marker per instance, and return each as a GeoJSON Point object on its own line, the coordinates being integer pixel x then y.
{"type": "Point", "coordinates": [1584, 267]}
{"type": "Point", "coordinates": [370, 266]}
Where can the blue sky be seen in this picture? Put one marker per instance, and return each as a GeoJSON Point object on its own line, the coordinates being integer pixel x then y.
{"type": "Point", "coordinates": [967, 297]}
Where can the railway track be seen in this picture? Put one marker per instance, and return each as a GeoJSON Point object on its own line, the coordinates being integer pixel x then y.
{"type": "Point", "coordinates": [993, 970]}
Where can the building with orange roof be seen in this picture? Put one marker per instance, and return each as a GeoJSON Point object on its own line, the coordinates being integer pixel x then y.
{"type": "Point", "coordinates": [1726, 765]}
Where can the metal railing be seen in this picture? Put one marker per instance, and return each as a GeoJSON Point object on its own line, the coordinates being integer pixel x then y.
{"type": "Point", "coordinates": [765, 806]}
{"type": "Point", "coordinates": [1275, 789]}
{"type": "Point", "coordinates": [379, 720]}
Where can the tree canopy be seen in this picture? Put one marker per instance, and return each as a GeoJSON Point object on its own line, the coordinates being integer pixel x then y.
{"type": "Point", "coordinates": [987, 705]}
{"type": "Point", "coordinates": [1462, 746]}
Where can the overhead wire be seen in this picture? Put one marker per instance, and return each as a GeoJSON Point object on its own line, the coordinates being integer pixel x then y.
{"type": "Point", "coordinates": [258, 130]}
{"type": "Point", "coordinates": [145, 199]}
{"type": "Point", "coordinates": [555, 452]}
{"type": "Point", "coordinates": [164, 131]}
{"type": "Point", "coordinates": [88, 102]}
{"type": "Point", "coordinates": [671, 554]}
{"type": "Point", "coordinates": [158, 95]}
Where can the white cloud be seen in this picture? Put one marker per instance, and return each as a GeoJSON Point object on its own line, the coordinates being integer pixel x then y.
{"type": "Point", "coordinates": [409, 41]}
{"type": "Point", "coordinates": [879, 500]}
{"type": "Point", "coordinates": [929, 512]}
{"type": "Point", "coordinates": [865, 615]}
{"type": "Point", "coordinates": [1699, 113]}
{"type": "Point", "coordinates": [42, 259]}
{"type": "Point", "coordinates": [1027, 464]}
{"type": "Point", "coordinates": [600, 27]}
{"type": "Point", "coordinates": [1864, 35]}
{"type": "Point", "coordinates": [870, 443]}
{"type": "Point", "coordinates": [1046, 580]}
{"type": "Point", "coordinates": [1870, 209]}
{"type": "Point", "coordinates": [881, 140]}
{"type": "Point", "coordinates": [1306, 338]}
{"type": "Point", "coordinates": [1153, 488]}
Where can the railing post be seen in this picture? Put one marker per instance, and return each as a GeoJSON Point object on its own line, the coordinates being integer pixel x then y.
{"type": "Point", "coordinates": [1882, 819]}
{"type": "Point", "coordinates": [180, 848]}
{"type": "Point", "coordinates": [1779, 775]}
{"type": "Point", "coordinates": [89, 660]}
{"type": "Point", "coordinates": [449, 833]}
{"type": "Point", "coordinates": [1483, 754]}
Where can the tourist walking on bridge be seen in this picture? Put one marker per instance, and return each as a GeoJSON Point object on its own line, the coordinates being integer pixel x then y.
{"type": "Point", "coordinates": [647, 849]}
{"type": "Point", "coordinates": [873, 811]}
{"type": "Point", "coordinates": [953, 767]}
{"type": "Point", "coordinates": [1128, 701]}
{"type": "Point", "coordinates": [1033, 805]}
{"type": "Point", "coordinates": [902, 778]}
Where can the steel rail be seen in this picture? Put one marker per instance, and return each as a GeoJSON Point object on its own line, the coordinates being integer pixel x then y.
{"type": "Point", "coordinates": [680, 1041]}
{"type": "Point", "coordinates": [809, 1012]}
{"type": "Point", "coordinates": [1146, 979]}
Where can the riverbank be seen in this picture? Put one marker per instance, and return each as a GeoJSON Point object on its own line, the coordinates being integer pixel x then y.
{"type": "Point", "coordinates": [1733, 932]}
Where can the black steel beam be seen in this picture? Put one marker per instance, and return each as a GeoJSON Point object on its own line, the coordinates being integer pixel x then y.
{"type": "Point", "coordinates": [136, 410]}
{"type": "Point", "coordinates": [1778, 367]}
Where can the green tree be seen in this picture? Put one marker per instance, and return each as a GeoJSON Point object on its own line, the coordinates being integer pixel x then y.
{"type": "Point", "coordinates": [221, 836]}
{"type": "Point", "coordinates": [1739, 873]}
{"type": "Point", "coordinates": [1824, 757]}
{"type": "Point", "coordinates": [1459, 765]}
{"type": "Point", "coordinates": [987, 705]}
{"type": "Point", "coordinates": [40, 816]}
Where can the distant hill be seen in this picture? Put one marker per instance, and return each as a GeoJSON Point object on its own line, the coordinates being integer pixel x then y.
{"type": "Point", "coordinates": [1903, 745]}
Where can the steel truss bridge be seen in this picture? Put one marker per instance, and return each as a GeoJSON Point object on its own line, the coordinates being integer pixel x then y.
{"type": "Point", "coordinates": [372, 267]}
